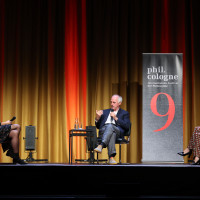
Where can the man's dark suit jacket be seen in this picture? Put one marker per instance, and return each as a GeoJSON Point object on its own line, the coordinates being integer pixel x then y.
{"type": "Point", "coordinates": [123, 122]}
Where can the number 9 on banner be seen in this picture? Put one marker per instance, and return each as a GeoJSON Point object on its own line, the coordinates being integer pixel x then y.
{"type": "Point", "coordinates": [170, 113]}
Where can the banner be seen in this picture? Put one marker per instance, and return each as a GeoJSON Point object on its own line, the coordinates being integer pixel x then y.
{"type": "Point", "coordinates": [162, 107]}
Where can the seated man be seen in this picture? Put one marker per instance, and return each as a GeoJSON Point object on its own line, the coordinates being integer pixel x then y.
{"type": "Point", "coordinates": [111, 123]}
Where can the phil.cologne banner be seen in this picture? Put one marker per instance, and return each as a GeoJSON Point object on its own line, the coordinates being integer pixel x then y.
{"type": "Point", "coordinates": [162, 107]}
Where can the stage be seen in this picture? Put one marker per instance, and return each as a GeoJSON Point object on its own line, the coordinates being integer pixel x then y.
{"type": "Point", "coordinates": [140, 181]}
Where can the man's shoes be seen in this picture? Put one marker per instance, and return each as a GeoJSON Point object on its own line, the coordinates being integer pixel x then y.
{"type": "Point", "coordinates": [98, 149]}
{"type": "Point", "coordinates": [112, 161]}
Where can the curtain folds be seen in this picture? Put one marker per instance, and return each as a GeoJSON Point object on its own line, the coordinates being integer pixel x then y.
{"type": "Point", "coordinates": [61, 60]}
{"type": "Point", "coordinates": [38, 85]}
{"type": "Point", "coordinates": [118, 33]}
{"type": "Point", "coordinates": [76, 71]}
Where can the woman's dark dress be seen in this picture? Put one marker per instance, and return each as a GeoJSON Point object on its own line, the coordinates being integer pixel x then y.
{"type": "Point", "coordinates": [5, 140]}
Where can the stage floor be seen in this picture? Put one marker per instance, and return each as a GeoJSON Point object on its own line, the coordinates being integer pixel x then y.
{"type": "Point", "coordinates": [148, 164]}
{"type": "Point", "coordinates": [60, 180]}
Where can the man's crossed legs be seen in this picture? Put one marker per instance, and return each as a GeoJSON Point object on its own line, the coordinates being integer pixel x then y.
{"type": "Point", "coordinates": [109, 134]}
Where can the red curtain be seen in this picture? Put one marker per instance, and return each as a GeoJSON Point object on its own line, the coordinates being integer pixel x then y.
{"type": "Point", "coordinates": [75, 66]}
{"type": "Point", "coordinates": [43, 72]}
{"type": "Point", "coordinates": [44, 50]}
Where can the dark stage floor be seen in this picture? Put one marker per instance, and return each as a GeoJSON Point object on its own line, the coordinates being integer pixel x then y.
{"type": "Point", "coordinates": [140, 181]}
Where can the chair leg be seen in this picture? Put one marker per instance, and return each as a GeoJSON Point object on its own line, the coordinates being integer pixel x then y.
{"type": "Point", "coordinates": [120, 162]}
{"type": "Point", "coordinates": [97, 158]}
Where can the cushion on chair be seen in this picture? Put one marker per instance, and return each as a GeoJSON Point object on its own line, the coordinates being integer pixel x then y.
{"type": "Point", "coordinates": [118, 141]}
{"type": "Point", "coordinates": [122, 141]}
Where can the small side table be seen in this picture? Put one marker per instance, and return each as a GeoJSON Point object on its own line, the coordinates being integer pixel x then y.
{"type": "Point", "coordinates": [77, 132]}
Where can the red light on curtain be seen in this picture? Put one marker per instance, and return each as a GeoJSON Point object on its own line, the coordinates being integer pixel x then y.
{"type": "Point", "coordinates": [75, 62]}
{"type": "Point", "coordinates": [71, 61]}
{"type": "Point", "coordinates": [83, 60]}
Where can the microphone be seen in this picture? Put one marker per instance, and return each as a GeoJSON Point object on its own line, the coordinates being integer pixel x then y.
{"type": "Point", "coordinates": [111, 110]}
{"type": "Point", "coordinates": [13, 119]}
